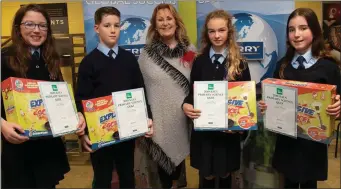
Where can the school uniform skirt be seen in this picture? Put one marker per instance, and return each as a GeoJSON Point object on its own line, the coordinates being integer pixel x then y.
{"type": "Point", "coordinates": [215, 153]}
{"type": "Point", "coordinates": [301, 160]}
{"type": "Point", "coordinates": [39, 163]}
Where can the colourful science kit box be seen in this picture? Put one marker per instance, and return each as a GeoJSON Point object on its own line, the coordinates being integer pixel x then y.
{"type": "Point", "coordinates": [101, 121]}
{"type": "Point", "coordinates": [313, 122]}
{"type": "Point", "coordinates": [24, 106]}
{"type": "Point", "coordinates": [242, 105]}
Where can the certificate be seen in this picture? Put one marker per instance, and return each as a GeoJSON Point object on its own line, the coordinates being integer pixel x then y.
{"type": "Point", "coordinates": [59, 107]}
{"type": "Point", "coordinates": [210, 98]}
{"type": "Point", "coordinates": [131, 112]}
{"type": "Point", "coordinates": [280, 115]}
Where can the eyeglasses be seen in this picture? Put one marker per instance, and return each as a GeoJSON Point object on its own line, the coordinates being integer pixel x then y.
{"type": "Point", "coordinates": [32, 26]}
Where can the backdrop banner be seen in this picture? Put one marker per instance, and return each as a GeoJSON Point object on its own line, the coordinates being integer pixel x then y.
{"type": "Point", "coordinates": [261, 30]}
{"type": "Point", "coordinates": [135, 20]}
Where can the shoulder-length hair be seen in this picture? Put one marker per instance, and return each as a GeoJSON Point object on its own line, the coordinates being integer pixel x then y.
{"type": "Point", "coordinates": [180, 32]}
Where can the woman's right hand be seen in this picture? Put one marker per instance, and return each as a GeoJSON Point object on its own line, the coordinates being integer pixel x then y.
{"type": "Point", "coordinates": [190, 111]}
{"type": "Point", "coordinates": [10, 132]}
{"type": "Point", "coordinates": [86, 143]}
{"type": "Point", "coordinates": [262, 106]}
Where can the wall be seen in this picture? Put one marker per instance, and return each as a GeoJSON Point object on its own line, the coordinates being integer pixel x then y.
{"type": "Point", "coordinates": [316, 6]}
{"type": "Point", "coordinates": [187, 11]}
{"type": "Point", "coordinates": [75, 14]}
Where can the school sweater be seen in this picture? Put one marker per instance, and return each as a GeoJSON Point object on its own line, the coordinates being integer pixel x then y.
{"type": "Point", "coordinates": [299, 159]}
{"type": "Point", "coordinates": [32, 160]}
{"type": "Point", "coordinates": [100, 75]}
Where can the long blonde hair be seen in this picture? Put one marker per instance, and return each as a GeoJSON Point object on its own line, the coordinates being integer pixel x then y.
{"type": "Point", "coordinates": [234, 56]}
{"type": "Point", "coordinates": [180, 32]}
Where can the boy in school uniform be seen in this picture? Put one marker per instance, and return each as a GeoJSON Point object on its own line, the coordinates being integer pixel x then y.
{"type": "Point", "coordinates": [106, 69]}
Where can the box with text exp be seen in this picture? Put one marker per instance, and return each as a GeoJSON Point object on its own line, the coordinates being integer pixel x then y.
{"type": "Point", "coordinates": [101, 121]}
{"type": "Point", "coordinates": [24, 106]}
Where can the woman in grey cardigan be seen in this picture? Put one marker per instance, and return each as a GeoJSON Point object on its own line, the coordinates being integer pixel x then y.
{"type": "Point", "coordinates": [166, 64]}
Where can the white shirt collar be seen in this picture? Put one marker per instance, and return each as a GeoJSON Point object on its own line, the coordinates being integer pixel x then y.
{"type": "Point", "coordinates": [221, 59]}
{"type": "Point", "coordinates": [105, 50]}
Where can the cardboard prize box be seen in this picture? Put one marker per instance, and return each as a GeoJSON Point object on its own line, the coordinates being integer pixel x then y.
{"type": "Point", "coordinates": [24, 106]}
{"type": "Point", "coordinates": [242, 105]}
{"type": "Point", "coordinates": [313, 122]}
{"type": "Point", "coordinates": [101, 121]}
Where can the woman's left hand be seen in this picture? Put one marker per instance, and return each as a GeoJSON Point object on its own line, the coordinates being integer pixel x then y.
{"type": "Point", "coordinates": [334, 109]}
{"type": "Point", "coordinates": [151, 131]}
{"type": "Point", "coordinates": [81, 125]}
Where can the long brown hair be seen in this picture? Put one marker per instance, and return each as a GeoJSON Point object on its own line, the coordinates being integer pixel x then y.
{"type": "Point", "coordinates": [317, 48]}
{"type": "Point", "coordinates": [19, 59]}
{"type": "Point", "coordinates": [180, 32]}
{"type": "Point", "coordinates": [234, 56]}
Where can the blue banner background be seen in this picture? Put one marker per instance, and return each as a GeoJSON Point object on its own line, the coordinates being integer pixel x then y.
{"type": "Point", "coordinates": [261, 20]}
{"type": "Point", "coordinates": [135, 20]}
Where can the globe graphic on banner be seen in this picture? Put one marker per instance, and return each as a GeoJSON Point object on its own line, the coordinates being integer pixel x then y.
{"type": "Point", "coordinates": [252, 28]}
{"type": "Point", "coordinates": [134, 31]}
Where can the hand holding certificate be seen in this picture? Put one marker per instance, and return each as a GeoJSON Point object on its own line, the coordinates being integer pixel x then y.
{"type": "Point", "coordinates": [280, 115]}
{"type": "Point", "coordinates": [59, 107]}
{"type": "Point", "coordinates": [210, 98]}
{"type": "Point", "coordinates": [131, 111]}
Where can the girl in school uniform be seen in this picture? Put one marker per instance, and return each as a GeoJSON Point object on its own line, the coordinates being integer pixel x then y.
{"type": "Point", "coordinates": [39, 163]}
{"type": "Point", "coordinates": [303, 162]}
{"type": "Point", "coordinates": [216, 153]}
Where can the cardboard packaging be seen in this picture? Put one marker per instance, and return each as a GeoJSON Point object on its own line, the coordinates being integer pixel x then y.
{"type": "Point", "coordinates": [313, 122]}
{"type": "Point", "coordinates": [242, 105]}
{"type": "Point", "coordinates": [24, 106]}
{"type": "Point", "coordinates": [101, 121]}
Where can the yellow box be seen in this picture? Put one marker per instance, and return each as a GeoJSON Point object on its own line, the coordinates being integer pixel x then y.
{"type": "Point", "coordinates": [242, 105]}
{"type": "Point", "coordinates": [24, 106]}
{"type": "Point", "coordinates": [313, 122]}
{"type": "Point", "coordinates": [101, 121]}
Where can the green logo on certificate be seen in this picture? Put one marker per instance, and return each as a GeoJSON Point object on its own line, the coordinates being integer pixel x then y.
{"type": "Point", "coordinates": [210, 86]}
{"type": "Point", "coordinates": [54, 88]}
{"type": "Point", "coordinates": [279, 91]}
{"type": "Point", "coordinates": [128, 95]}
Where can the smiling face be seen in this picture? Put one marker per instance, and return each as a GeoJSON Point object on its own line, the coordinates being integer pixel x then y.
{"type": "Point", "coordinates": [165, 24]}
{"type": "Point", "coordinates": [300, 35]}
{"type": "Point", "coordinates": [108, 30]}
{"type": "Point", "coordinates": [217, 32]}
{"type": "Point", "coordinates": [33, 28]}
